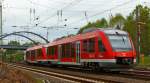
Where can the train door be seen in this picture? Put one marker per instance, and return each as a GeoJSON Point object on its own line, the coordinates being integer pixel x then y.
{"type": "Point", "coordinates": [101, 48]}
{"type": "Point", "coordinates": [59, 52]}
{"type": "Point", "coordinates": [78, 52]}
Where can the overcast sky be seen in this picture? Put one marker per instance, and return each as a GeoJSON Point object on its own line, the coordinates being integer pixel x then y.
{"type": "Point", "coordinates": [21, 13]}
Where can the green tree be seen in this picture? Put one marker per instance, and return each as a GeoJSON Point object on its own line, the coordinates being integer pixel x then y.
{"type": "Point", "coordinates": [98, 24]}
{"type": "Point", "coordinates": [14, 55]}
{"type": "Point", "coordinates": [85, 27]}
{"type": "Point", "coordinates": [101, 23]}
{"type": "Point", "coordinates": [12, 43]}
{"type": "Point", "coordinates": [29, 44]}
{"type": "Point", "coordinates": [118, 19]}
{"type": "Point", "coordinates": [131, 27]}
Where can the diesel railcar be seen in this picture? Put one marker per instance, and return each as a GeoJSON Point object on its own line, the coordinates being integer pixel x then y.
{"type": "Point", "coordinates": [99, 48]}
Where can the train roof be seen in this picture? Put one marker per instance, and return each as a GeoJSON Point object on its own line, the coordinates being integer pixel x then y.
{"type": "Point", "coordinates": [113, 31]}
{"type": "Point", "coordinates": [105, 30]}
{"type": "Point", "coordinates": [35, 47]}
{"type": "Point", "coordinates": [73, 38]}
{"type": "Point", "coordinates": [89, 34]}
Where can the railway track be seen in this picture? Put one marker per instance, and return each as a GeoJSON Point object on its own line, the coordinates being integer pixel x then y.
{"type": "Point", "coordinates": [132, 73]}
{"type": "Point", "coordinates": [143, 74]}
{"type": "Point", "coordinates": [86, 75]}
{"type": "Point", "coordinates": [66, 77]}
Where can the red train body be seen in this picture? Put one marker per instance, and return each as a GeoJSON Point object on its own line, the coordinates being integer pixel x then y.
{"type": "Point", "coordinates": [102, 48]}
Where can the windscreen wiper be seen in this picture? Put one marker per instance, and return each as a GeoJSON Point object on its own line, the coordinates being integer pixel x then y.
{"type": "Point", "coordinates": [121, 36]}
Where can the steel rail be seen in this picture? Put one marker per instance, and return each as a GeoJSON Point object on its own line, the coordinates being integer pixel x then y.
{"type": "Point", "coordinates": [66, 77]}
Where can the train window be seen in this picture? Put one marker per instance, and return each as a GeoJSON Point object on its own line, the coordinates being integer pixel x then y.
{"type": "Point", "coordinates": [72, 50]}
{"type": "Point", "coordinates": [89, 45]}
{"type": "Point", "coordinates": [39, 52]}
{"type": "Point", "coordinates": [28, 54]}
{"type": "Point", "coordinates": [51, 50]}
{"type": "Point", "coordinates": [47, 51]}
{"type": "Point", "coordinates": [68, 50]}
{"type": "Point", "coordinates": [100, 45]}
{"type": "Point", "coordinates": [85, 44]}
{"type": "Point", "coordinates": [63, 51]}
{"type": "Point", "coordinates": [33, 53]}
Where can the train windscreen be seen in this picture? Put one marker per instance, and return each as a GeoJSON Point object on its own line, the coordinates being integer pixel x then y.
{"type": "Point", "coordinates": [120, 42]}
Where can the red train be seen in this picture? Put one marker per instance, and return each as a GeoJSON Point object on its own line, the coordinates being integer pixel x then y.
{"type": "Point", "coordinates": [100, 48]}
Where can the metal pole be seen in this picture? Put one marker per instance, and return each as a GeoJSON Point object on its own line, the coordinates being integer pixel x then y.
{"type": "Point", "coordinates": [1, 32]}
{"type": "Point", "coordinates": [86, 17]}
{"type": "Point", "coordinates": [139, 41]}
{"type": "Point", "coordinates": [138, 34]}
{"type": "Point", "coordinates": [47, 32]}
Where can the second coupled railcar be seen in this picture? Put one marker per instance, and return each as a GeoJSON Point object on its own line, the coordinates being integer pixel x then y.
{"type": "Point", "coordinates": [101, 48]}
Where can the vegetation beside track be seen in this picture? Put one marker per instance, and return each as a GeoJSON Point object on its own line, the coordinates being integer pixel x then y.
{"type": "Point", "coordinates": [145, 62]}
{"type": "Point", "coordinates": [39, 81]}
{"type": "Point", "coordinates": [11, 75]}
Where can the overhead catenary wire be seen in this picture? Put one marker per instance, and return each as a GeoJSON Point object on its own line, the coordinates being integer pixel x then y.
{"type": "Point", "coordinates": [68, 6]}
{"type": "Point", "coordinates": [99, 13]}
{"type": "Point", "coordinates": [61, 9]}
{"type": "Point", "coordinates": [86, 11]}
{"type": "Point", "coordinates": [78, 25]}
{"type": "Point", "coordinates": [18, 8]}
{"type": "Point", "coordinates": [110, 15]}
{"type": "Point", "coordinates": [35, 3]}
{"type": "Point", "coordinates": [43, 6]}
